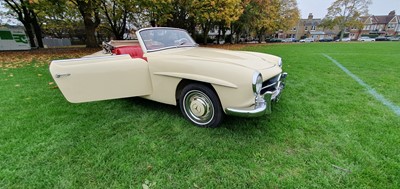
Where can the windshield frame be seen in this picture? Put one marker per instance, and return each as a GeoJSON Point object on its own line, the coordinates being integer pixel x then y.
{"type": "Point", "coordinates": [144, 44]}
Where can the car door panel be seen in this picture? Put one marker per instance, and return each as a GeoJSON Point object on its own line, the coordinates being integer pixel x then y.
{"type": "Point", "coordinates": [101, 78]}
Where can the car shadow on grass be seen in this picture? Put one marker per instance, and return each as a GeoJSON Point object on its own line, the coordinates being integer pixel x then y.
{"type": "Point", "coordinates": [149, 113]}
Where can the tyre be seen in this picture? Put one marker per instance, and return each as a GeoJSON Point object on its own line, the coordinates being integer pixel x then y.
{"type": "Point", "coordinates": [200, 105]}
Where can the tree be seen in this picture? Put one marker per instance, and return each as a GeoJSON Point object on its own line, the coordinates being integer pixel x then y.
{"type": "Point", "coordinates": [89, 9]}
{"type": "Point", "coordinates": [209, 12]}
{"type": "Point", "coordinates": [288, 14]}
{"type": "Point", "coordinates": [158, 11]}
{"type": "Point", "coordinates": [327, 23]}
{"type": "Point", "coordinates": [182, 15]}
{"type": "Point", "coordinates": [264, 17]}
{"type": "Point", "coordinates": [25, 13]}
{"type": "Point", "coordinates": [346, 13]}
{"type": "Point", "coordinates": [116, 13]}
{"type": "Point", "coordinates": [59, 18]}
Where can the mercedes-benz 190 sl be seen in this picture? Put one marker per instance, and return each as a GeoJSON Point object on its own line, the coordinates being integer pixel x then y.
{"type": "Point", "coordinates": [167, 66]}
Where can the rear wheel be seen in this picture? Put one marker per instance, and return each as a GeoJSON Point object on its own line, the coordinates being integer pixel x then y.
{"type": "Point", "coordinates": [200, 105]}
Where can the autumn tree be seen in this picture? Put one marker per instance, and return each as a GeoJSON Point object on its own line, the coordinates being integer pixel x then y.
{"type": "Point", "coordinates": [181, 15]}
{"type": "Point", "coordinates": [209, 12]}
{"type": "Point", "coordinates": [60, 18]}
{"type": "Point", "coordinates": [26, 14]}
{"type": "Point", "coordinates": [268, 12]}
{"type": "Point", "coordinates": [89, 10]}
{"type": "Point", "coordinates": [158, 11]}
{"type": "Point", "coordinates": [288, 14]}
{"type": "Point", "coordinates": [327, 23]}
{"type": "Point", "coordinates": [345, 13]}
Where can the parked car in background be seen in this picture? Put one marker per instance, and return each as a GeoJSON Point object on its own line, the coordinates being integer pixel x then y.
{"type": "Point", "coordinates": [306, 40]}
{"type": "Point", "coordinates": [345, 39]}
{"type": "Point", "coordinates": [273, 40]}
{"type": "Point", "coordinates": [394, 38]}
{"type": "Point", "coordinates": [166, 65]}
{"type": "Point", "coordinates": [221, 41]}
{"type": "Point", "coordinates": [382, 39]}
{"type": "Point", "coordinates": [290, 40]}
{"type": "Point", "coordinates": [326, 40]}
{"type": "Point", "coordinates": [368, 39]}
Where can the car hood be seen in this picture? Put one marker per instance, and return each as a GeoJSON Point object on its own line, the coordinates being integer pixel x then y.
{"type": "Point", "coordinates": [252, 60]}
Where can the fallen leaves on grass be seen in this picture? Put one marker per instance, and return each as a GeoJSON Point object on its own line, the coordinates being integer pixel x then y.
{"type": "Point", "coordinates": [16, 59]}
{"type": "Point", "coordinates": [41, 57]}
{"type": "Point", "coordinates": [53, 87]}
{"type": "Point", "coordinates": [147, 184]}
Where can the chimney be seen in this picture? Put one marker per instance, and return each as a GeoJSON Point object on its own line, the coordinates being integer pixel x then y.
{"type": "Point", "coordinates": [310, 16]}
{"type": "Point", "coordinates": [392, 13]}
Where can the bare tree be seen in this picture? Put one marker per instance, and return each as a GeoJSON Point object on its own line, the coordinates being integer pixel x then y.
{"type": "Point", "coordinates": [346, 12]}
{"type": "Point", "coordinates": [116, 12]}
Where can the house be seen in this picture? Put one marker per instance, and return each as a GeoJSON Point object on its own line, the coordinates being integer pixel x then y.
{"type": "Point", "coordinates": [310, 28]}
{"type": "Point", "coordinates": [378, 25]}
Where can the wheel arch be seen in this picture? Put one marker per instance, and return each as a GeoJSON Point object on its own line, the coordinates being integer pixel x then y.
{"type": "Point", "coordinates": [184, 82]}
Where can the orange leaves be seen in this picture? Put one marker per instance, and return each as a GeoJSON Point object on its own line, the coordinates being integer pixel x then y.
{"type": "Point", "coordinates": [216, 11]}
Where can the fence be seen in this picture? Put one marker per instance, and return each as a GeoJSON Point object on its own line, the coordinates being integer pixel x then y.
{"type": "Point", "coordinates": [53, 42]}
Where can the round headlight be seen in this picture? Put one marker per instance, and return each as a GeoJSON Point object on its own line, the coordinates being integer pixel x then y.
{"type": "Point", "coordinates": [257, 83]}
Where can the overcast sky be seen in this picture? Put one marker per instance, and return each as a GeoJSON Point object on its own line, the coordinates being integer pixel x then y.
{"type": "Point", "coordinates": [319, 7]}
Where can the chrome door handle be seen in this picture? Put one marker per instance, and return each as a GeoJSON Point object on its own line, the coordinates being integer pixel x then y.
{"type": "Point", "coordinates": [62, 75]}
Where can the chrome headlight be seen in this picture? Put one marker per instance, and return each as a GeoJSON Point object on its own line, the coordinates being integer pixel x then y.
{"type": "Point", "coordinates": [257, 83]}
{"type": "Point", "coordinates": [280, 63]}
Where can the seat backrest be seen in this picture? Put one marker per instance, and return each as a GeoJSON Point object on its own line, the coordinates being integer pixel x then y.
{"type": "Point", "coordinates": [133, 51]}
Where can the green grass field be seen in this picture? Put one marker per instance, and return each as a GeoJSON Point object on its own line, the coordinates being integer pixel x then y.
{"type": "Point", "coordinates": [326, 132]}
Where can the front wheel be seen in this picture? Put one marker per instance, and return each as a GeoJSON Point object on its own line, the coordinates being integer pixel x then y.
{"type": "Point", "coordinates": [200, 105]}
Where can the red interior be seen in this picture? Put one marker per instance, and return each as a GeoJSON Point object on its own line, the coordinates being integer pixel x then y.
{"type": "Point", "coordinates": [133, 51]}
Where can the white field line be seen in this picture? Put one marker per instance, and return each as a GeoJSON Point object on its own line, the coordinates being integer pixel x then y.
{"type": "Point", "coordinates": [379, 97]}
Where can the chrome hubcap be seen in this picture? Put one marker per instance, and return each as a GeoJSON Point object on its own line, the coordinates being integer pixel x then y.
{"type": "Point", "coordinates": [198, 107]}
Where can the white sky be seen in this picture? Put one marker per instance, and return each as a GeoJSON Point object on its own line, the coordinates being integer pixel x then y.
{"type": "Point", "coordinates": [319, 7]}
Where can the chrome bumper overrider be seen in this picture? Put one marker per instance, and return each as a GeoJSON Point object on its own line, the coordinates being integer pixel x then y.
{"type": "Point", "coordinates": [262, 103]}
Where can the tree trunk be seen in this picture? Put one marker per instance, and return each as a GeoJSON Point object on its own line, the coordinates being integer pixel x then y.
{"type": "Point", "coordinates": [206, 28]}
{"type": "Point", "coordinates": [91, 41]}
{"type": "Point", "coordinates": [37, 29]}
{"type": "Point", "coordinates": [219, 34]}
{"type": "Point", "coordinates": [223, 34]}
{"type": "Point", "coordinates": [341, 34]}
{"type": "Point", "coordinates": [87, 8]}
{"type": "Point", "coordinates": [30, 34]}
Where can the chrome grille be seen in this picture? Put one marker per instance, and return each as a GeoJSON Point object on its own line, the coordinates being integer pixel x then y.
{"type": "Point", "coordinates": [270, 84]}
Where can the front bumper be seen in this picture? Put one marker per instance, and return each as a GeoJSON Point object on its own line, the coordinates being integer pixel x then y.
{"type": "Point", "coordinates": [262, 103]}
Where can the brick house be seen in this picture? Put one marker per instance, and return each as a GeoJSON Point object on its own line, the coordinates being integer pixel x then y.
{"type": "Point", "coordinates": [381, 25]}
{"type": "Point", "coordinates": [309, 28]}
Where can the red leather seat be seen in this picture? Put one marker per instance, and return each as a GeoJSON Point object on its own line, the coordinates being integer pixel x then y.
{"type": "Point", "coordinates": [133, 51]}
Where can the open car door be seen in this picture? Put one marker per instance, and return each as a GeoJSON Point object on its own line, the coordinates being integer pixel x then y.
{"type": "Point", "coordinates": [101, 78]}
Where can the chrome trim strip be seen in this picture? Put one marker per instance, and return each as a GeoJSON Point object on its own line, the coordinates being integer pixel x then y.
{"type": "Point", "coordinates": [269, 85]}
{"type": "Point", "coordinates": [262, 107]}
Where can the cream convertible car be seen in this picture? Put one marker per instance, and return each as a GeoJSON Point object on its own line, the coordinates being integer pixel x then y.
{"type": "Point", "coordinates": [167, 66]}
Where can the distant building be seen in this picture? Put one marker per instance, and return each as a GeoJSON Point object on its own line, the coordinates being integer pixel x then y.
{"type": "Point", "coordinates": [378, 25]}
{"type": "Point", "coordinates": [310, 28]}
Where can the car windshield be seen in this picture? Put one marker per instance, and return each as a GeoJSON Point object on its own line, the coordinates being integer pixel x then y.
{"type": "Point", "coordinates": [165, 38]}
